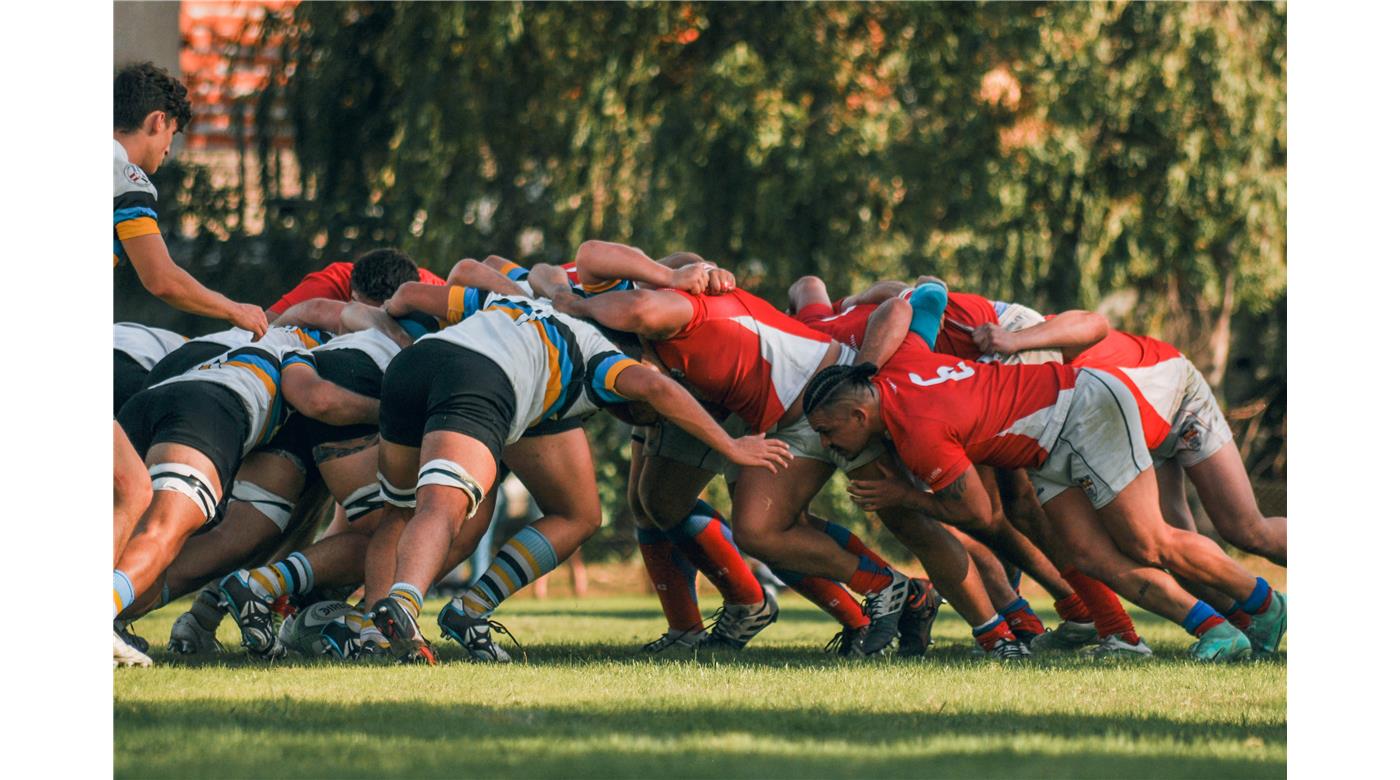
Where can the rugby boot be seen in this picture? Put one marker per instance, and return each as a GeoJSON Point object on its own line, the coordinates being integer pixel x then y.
{"type": "Point", "coordinates": [675, 644]}
{"type": "Point", "coordinates": [188, 637]}
{"type": "Point", "coordinates": [124, 654]}
{"type": "Point", "coordinates": [406, 642]}
{"type": "Point", "coordinates": [124, 631]}
{"type": "Point", "coordinates": [736, 624]}
{"type": "Point", "coordinates": [1115, 646]}
{"type": "Point", "coordinates": [844, 643]}
{"type": "Point", "coordinates": [885, 608]}
{"type": "Point", "coordinates": [1221, 644]}
{"type": "Point", "coordinates": [1067, 637]}
{"type": "Point", "coordinates": [1007, 650]}
{"type": "Point", "coordinates": [915, 623]}
{"type": "Point", "coordinates": [253, 614]}
{"type": "Point", "coordinates": [474, 633]}
{"type": "Point", "coordinates": [1266, 629]}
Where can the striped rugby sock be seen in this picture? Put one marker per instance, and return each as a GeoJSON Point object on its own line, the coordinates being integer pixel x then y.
{"type": "Point", "coordinates": [123, 592]}
{"type": "Point", "coordinates": [827, 594]}
{"type": "Point", "coordinates": [849, 541]}
{"type": "Point", "coordinates": [291, 576]}
{"type": "Point", "coordinates": [409, 596]}
{"type": "Point", "coordinates": [526, 557]}
{"type": "Point", "coordinates": [706, 540]}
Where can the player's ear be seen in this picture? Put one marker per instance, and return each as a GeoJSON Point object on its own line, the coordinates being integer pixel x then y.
{"type": "Point", "coordinates": [154, 122]}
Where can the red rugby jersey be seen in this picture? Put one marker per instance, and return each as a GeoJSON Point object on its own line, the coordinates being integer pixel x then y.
{"type": "Point", "coordinates": [965, 312]}
{"type": "Point", "coordinates": [332, 282]}
{"type": "Point", "coordinates": [743, 354]}
{"type": "Point", "coordinates": [1154, 370]}
{"type": "Point", "coordinates": [945, 413]}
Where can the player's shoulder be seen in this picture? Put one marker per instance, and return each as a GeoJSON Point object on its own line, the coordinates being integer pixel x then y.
{"type": "Point", "coordinates": [127, 177]}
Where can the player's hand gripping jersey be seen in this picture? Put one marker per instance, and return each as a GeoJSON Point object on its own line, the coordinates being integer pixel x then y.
{"type": "Point", "coordinates": [558, 366]}
{"type": "Point", "coordinates": [254, 373]}
{"type": "Point", "coordinates": [133, 202]}
{"type": "Point", "coordinates": [743, 354]}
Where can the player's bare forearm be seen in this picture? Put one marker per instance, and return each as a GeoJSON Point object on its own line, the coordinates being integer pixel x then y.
{"type": "Point", "coordinates": [600, 262]}
{"type": "Point", "coordinates": [170, 282]}
{"type": "Point", "coordinates": [548, 281]}
{"type": "Point", "coordinates": [671, 401]}
{"type": "Point", "coordinates": [430, 299]}
{"type": "Point", "coordinates": [471, 273]}
{"type": "Point", "coordinates": [654, 314]}
{"type": "Point", "coordinates": [321, 313]}
{"type": "Point", "coordinates": [1071, 332]}
{"type": "Point", "coordinates": [358, 316]}
{"type": "Point", "coordinates": [326, 401]}
{"type": "Point", "coordinates": [885, 331]}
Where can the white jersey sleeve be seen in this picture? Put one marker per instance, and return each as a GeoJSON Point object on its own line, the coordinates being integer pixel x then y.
{"type": "Point", "coordinates": [145, 345]}
{"type": "Point", "coordinates": [133, 202]}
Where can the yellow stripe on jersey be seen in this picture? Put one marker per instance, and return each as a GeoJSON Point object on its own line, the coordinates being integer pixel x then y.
{"type": "Point", "coordinates": [306, 339]}
{"type": "Point", "coordinates": [603, 286]}
{"type": "Point", "coordinates": [141, 226]}
{"type": "Point", "coordinates": [456, 304]}
{"type": "Point", "coordinates": [554, 386]}
{"type": "Point", "coordinates": [267, 381]}
{"type": "Point", "coordinates": [513, 312]}
{"type": "Point", "coordinates": [610, 379]}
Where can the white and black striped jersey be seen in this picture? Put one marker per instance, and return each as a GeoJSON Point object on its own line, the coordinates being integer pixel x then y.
{"type": "Point", "coordinates": [254, 373]}
{"type": "Point", "coordinates": [559, 366]}
{"type": "Point", "coordinates": [144, 344]}
{"type": "Point", "coordinates": [379, 347]}
{"type": "Point", "coordinates": [134, 202]}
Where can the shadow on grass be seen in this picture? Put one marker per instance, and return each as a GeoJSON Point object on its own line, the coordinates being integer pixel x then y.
{"type": "Point", "coordinates": [445, 740]}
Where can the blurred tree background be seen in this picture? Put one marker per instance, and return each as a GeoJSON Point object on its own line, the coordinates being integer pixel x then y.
{"type": "Point", "coordinates": [1125, 157]}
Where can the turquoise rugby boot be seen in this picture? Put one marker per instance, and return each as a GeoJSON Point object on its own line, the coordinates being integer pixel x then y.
{"type": "Point", "coordinates": [1266, 629]}
{"type": "Point", "coordinates": [1222, 644]}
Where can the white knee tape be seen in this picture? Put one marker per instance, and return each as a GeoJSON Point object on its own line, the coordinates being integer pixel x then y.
{"type": "Point", "coordinates": [188, 482]}
{"type": "Point", "coordinates": [447, 473]}
{"type": "Point", "coordinates": [274, 507]}
{"type": "Point", "coordinates": [364, 500]}
{"type": "Point", "coordinates": [396, 496]}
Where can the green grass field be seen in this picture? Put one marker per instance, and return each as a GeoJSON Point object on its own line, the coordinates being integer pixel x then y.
{"type": "Point", "coordinates": [586, 706]}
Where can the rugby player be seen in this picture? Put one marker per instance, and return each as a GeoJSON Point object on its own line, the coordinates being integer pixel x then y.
{"type": "Point", "coordinates": [135, 351]}
{"type": "Point", "coordinates": [149, 108]}
{"type": "Point", "coordinates": [193, 430]}
{"type": "Point", "coordinates": [452, 403]}
{"type": "Point", "coordinates": [1080, 433]}
{"type": "Point", "coordinates": [1191, 433]}
{"type": "Point", "coordinates": [736, 350]}
{"type": "Point", "coordinates": [1089, 609]}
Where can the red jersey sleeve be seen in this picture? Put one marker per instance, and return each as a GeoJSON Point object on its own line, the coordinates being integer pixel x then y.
{"type": "Point", "coordinates": [936, 458]}
{"type": "Point", "coordinates": [332, 282]}
{"type": "Point", "coordinates": [428, 277]}
{"type": "Point", "coordinates": [813, 312]}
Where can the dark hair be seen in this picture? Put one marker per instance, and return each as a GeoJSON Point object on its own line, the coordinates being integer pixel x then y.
{"type": "Point", "coordinates": [141, 88]}
{"type": "Point", "coordinates": [835, 383]}
{"type": "Point", "coordinates": [378, 273]}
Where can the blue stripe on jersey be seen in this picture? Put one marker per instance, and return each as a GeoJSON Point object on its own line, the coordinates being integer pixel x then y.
{"type": "Point", "coordinates": [132, 212]}
{"type": "Point", "coordinates": [599, 377]}
{"type": "Point", "coordinates": [298, 358]}
{"type": "Point", "coordinates": [566, 366]}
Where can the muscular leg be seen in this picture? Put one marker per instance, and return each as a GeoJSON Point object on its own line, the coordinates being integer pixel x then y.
{"type": "Point", "coordinates": [1016, 546]}
{"type": "Point", "coordinates": [1134, 520]}
{"type": "Point", "coordinates": [1228, 497]}
{"type": "Point", "coordinates": [166, 523]}
{"type": "Point", "coordinates": [672, 575]}
{"type": "Point", "coordinates": [994, 578]}
{"type": "Point", "coordinates": [943, 557]}
{"type": "Point", "coordinates": [558, 471]}
{"type": "Point", "coordinates": [1094, 552]}
{"type": "Point", "coordinates": [131, 490]}
{"type": "Point", "coordinates": [399, 466]}
{"type": "Point", "coordinates": [1176, 510]}
{"type": "Point", "coordinates": [441, 510]}
{"type": "Point", "coordinates": [767, 508]}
